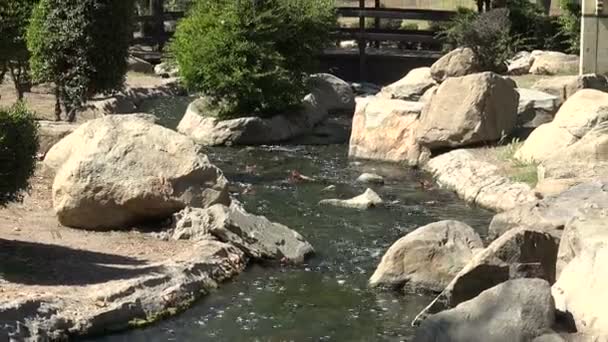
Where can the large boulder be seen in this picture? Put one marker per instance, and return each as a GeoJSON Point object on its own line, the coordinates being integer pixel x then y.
{"type": "Point", "coordinates": [552, 213]}
{"type": "Point", "coordinates": [411, 87]}
{"type": "Point", "coordinates": [429, 257]}
{"type": "Point", "coordinates": [516, 311]}
{"type": "Point", "coordinates": [579, 115]}
{"type": "Point", "coordinates": [565, 86]}
{"type": "Point", "coordinates": [258, 237]}
{"type": "Point", "coordinates": [469, 110]}
{"type": "Point", "coordinates": [555, 63]}
{"type": "Point", "coordinates": [478, 182]}
{"type": "Point", "coordinates": [535, 107]}
{"type": "Point", "coordinates": [333, 93]}
{"type": "Point", "coordinates": [206, 129]}
{"type": "Point", "coordinates": [384, 129]}
{"type": "Point", "coordinates": [581, 286]}
{"type": "Point", "coordinates": [119, 171]}
{"type": "Point", "coordinates": [456, 63]}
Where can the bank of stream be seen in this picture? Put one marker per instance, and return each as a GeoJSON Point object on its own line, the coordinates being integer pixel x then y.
{"type": "Point", "coordinates": [327, 299]}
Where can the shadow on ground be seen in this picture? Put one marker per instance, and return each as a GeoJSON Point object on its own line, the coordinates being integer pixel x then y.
{"type": "Point", "coordinates": [43, 264]}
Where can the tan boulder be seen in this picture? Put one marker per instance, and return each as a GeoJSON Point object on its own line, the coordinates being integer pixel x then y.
{"type": "Point", "coordinates": [554, 63]}
{"type": "Point", "coordinates": [582, 275]}
{"type": "Point", "coordinates": [411, 87]}
{"type": "Point", "coordinates": [456, 63]}
{"type": "Point", "coordinates": [119, 171]}
{"type": "Point", "coordinates": [384, 129]}
{"type": "Point", "coordinates": [584, 112]}
{"type": "Point", "coordinates": [469, 110]}
{"type": "Point", "coordinates": [428, 257]}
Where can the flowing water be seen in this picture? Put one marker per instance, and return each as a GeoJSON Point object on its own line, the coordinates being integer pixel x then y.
{"type": "Point", "coordinates": [327, 299]}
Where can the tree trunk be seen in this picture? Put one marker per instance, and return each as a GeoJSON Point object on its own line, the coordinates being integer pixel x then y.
{"type": "Point", "coordinates": [57, 101]}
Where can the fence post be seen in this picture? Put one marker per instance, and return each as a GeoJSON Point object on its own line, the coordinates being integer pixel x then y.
{"type": "Point", "coordinates": [362, 44]}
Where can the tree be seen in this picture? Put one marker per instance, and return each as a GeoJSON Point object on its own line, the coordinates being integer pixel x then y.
{"type": "Point", "coordinates": [14, 19]}
{"type": "Point", "coordinates": [18, 146]}
{"type": "Point", "coordinates": [81, 46]}
{"type": "Point", "coordinates": [251, 57]}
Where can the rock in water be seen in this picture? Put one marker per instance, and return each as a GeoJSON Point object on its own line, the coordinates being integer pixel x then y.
{"type": "Point", "coordinates": [429, 257]}
{"type": "Point", "coordinates": [515, 311]}
{"type": "Point", "coordinates": [119, 171]}
{"type": "Point", "coordinates": [255, 235]}
{"type": "Point", "coordinates": [370, 178]}
{"type": "Point", "coordinates": [456, 63]}
{"type": "Point", "coordinates": [369, 199]}
{"type": "Point", "coordinates": [485, 112]}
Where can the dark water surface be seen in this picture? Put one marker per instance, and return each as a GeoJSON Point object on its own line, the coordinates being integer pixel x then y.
{"type": "Point", "coordinates": [327, 299]}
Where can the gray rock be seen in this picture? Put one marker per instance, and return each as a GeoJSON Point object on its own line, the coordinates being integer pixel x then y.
{"type": "Point", "coordinates": [582, 276]}
{"type": "Point", "coordinates": [517, 310]}
{"type": "Point", "coordinates": [535, 107]}
{"type": "Point", "coordinates": [333, 93]}
{"type": "Point", "coordinates": [370, 178]}
{"type": "Point", "coordinates": [553, 213]}
{"type": "Point", "coordinates": [255, 235]}
{"type": "Point", "coordinates": [486, 112]}
{"type": "Point", "coordinates": [136, 64]}
{"type": "Point", "coordinates": [456, 63]}
{"type": "Point", "coordinates": [114, 172]}
{"type": "Point", "coordinates": [573, 337]}
{"type": "Point", "coordinates": [369, 199]}
{"type": "Point", "coordinates": [554, 63]}
{"type": "Point", "coordinates": [208, 130]}
{"type": "Point", "coordinates": [478, 182]}
{"type": "Point", "coordinates": [411, 87]}
{"type": "Point", "coordinates": [166, 70]}
{"type": "Point", "coordinates": [428, 257]}
{"type": "Point", "coordinates": [520, 64]}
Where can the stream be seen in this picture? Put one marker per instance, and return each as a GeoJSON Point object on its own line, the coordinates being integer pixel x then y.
{"type": "Point", "coordinates": [326, 299]}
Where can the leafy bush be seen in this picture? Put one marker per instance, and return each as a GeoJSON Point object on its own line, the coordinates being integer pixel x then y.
{"type": "Point", "coordinates": [18, 146]}
{"type": "Point", "coordinates": [14, 18]}
{"type": "Point", "coordinates": [251, 57]}
{"type": "Point", "coordinates": [570, 25]}
{"type": "Point", "coordinates": [81, 46]}
{"type": "Point", "coordinates": [488, 34]}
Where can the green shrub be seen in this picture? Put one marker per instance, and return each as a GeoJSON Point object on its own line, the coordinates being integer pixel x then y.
{"type": "Point", "coordinates": [252, 57]}
{"type": "Point", "coordinates": [570, 25]}
{"type": "Point", "coordinates": [14, 19]}
{"type": "Point", "coordinates": [18, 146]}
{"type": "Point", "coordinates": [81, 46]}
{"type": "Point", "coordinates": [488, 34]}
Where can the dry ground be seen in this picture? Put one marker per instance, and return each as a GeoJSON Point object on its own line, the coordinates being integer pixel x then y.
{"type": "Point", "coordinates": [42, 102]}
{"type": "Point", "coordinates": [42, 258]}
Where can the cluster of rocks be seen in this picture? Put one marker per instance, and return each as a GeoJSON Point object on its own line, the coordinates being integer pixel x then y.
{"type": "Point", "coordinates": [329, 95]}
{"type": "Point", "coordinates": [540, 62]}
{"type": "Point", "coordinates": [406, 122]}
{"type": "Point", "coordinates": [122, 172]}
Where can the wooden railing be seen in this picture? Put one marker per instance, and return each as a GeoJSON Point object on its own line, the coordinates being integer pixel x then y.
{"type": "Point", "coordinates": [155, 33]}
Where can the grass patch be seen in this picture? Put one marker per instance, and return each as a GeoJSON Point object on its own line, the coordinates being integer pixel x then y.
{"type": "Point", "coordinates": [515, 169]}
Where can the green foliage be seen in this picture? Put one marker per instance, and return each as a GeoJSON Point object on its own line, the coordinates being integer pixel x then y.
{"type": "Point", "coordinates": [251, 57]}
{"type": "Point", "coordinates": [488, 34]}
{"type": "Point", "coordinates": [18, 146]}
{"type": "Point", "coordinates": [81, 46]}
{"type": "Point", "coordinates": [14, 18]}
{"type": "Point", "coordinates": [570, 24]}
